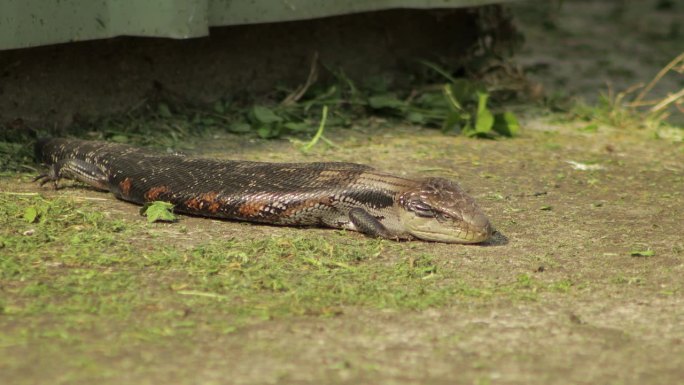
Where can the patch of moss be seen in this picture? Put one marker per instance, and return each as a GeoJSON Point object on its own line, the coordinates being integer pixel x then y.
{"type": "Point", "coordinates": [67, 263]}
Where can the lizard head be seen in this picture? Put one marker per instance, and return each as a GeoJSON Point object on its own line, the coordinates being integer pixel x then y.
{"type": "Point", "coordinates": [439, 210]}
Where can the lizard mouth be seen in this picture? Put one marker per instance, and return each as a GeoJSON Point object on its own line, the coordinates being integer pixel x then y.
{"type": "Point", "coordinates": [431, 230]}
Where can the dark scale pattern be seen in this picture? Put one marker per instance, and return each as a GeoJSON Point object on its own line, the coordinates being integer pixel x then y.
{"type": "Point", "coordinates": [277, 193]}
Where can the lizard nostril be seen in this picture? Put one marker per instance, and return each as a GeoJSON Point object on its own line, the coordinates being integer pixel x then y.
{"type": "Point", "coordinates": [480, 221]}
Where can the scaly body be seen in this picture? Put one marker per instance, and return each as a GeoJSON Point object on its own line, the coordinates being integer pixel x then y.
{"type": "Point", "coordinates": [332, 194]}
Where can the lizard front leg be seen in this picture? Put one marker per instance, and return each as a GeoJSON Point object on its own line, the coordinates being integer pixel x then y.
{"type": "Point", "coordinates": [369, 225]}
{"type": "Point", "coordinates": [76, 169]}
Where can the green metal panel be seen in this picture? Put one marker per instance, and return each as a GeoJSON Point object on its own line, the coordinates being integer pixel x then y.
{"type": "Point", "coordinates": [232, 12]}
{"type": "Point", "coordinates": [26, 23]}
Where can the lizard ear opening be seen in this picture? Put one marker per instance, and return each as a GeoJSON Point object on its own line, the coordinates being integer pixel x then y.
{"type": "Point", "coordinates": [421, 209]}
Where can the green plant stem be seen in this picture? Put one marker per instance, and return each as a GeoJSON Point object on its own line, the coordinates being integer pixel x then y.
{"type": "Point", "coordinates": [319, 132]}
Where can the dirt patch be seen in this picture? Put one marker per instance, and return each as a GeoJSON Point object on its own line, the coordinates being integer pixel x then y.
{"type": "Point", "coordinates": [581, 299]}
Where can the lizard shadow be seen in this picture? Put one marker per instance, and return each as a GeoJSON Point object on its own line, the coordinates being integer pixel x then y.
{"type": "Point", "coordinates": [497, 239]}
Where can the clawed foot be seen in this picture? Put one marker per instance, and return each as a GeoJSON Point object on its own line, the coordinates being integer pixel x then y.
{"type": "Point", "coordinates": [51, 176]}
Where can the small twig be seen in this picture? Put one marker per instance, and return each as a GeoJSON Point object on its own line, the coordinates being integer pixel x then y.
{"type": "Point", "coordinates": [657, 78]}
{"type": "Point", "coordinates": [644, 103]}
{"type": "Point", "coordinates": [609, 96]}
{"type": "Point", "coordinates": [439, 70]}
{"type": "Point", "coordinates": [632, 88]}
{"type": "Point", "coordinates": [329, 142]}
{"type": "Point", "coordinates": [201, 294]}
{"type": "Point", "coordinates": [136, 106]}
{"type": "Point", "coordinates": [668, 100]}
{"type": "Point", "coordinates": [680, 105]}
{"type": "Point", "coordinates": [301, 90]}
{"type": "Point", "coordinates": [19, 194]}
{"type": "Point", "coordinates": [421, 90]}
{"type": "Point", "coordinates": [212, 114]}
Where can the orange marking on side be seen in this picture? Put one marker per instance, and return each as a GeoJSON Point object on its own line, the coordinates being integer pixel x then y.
{"type": "Point", "coordinates": [207, 201]}
{"type": "Point", "coordinates": [154, 193]}
{"type": "Point", "coordinates": [194, 203]}
{"type": "Point", "coordinates": [125, 187]}
{"type": "Point", "coordinates": [209, 198]}
{"type": "Point", "coordinates": [251, 209]}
